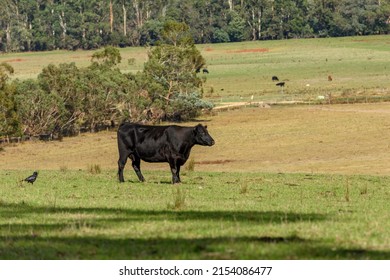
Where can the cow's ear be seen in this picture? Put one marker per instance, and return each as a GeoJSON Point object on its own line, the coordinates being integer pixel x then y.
{"type": "Point", "coordinates": [205, 126]}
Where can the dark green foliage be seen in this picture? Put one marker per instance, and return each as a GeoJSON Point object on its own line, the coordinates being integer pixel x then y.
{"type": "Point", "coordinates": [74, 24]}
{"type": "Point", "coordinates": [9, 119]}
{"type": "Point", "coordinates": [108, 57]}
{"type": "Point", "coordinates": [150, 32]}
{"type": "Point", "coordinates": [220, 36]}
{"type": "Point", "coordinates": [236, 28]}
{"type": "Point", "coordinates": [39, 110]}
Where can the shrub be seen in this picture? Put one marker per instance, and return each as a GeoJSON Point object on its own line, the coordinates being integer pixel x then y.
{"type": "Point", "coordinates": [187, 107]}
{"type": "Point", "coordinates": [190, 166]}
{"type": "Point", "coordinates": [94, 169]}
{"type": "Point", "coordinates": [179, 198]}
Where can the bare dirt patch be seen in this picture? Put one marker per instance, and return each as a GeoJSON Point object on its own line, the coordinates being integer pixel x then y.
{"type": "Point", "coordinates": [215, 161]}
{"type": "Point", "coordinates": [15, 60]}
{"type": "Point", "coordinates": [257, 50]}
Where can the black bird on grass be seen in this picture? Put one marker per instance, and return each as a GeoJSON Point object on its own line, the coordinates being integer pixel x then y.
{"type": "Point", "coordinates": [31, 179]}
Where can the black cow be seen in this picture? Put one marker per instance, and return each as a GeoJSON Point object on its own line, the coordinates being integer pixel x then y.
{"type": "Point", "coordinates": [205, 71]}
{"type": "Point", "coordinates": [274, 78]}
{"type": "Point", "coordinates": [281, 84]}
{"type": "Point", "coordinates": [170, 144]}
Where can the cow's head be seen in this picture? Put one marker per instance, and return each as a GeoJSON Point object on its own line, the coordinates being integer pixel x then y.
{"type": "Point", "coordinates": [202, 136]}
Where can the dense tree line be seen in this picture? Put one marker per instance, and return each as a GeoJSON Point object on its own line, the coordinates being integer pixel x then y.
{"type": "Point", "coordinates": [34, 25]}
{"type": "Point", "coordinates": [65, 99]}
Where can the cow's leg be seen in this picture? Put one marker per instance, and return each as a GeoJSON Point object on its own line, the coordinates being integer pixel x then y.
{"type": "Point", "coordinates": [137, 167]}
{"type": "Point", "coordinates": [178, 172]}
{"type": "Point", "coordinates": [121, 165]}
{"type": "Point", "coordinates": [175, 169]}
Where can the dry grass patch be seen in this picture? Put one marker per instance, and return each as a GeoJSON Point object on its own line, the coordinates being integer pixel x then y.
{"type": "Point", "coordinates": [320, 139]}
{"type": "Point", "coordinates": [346, 139]}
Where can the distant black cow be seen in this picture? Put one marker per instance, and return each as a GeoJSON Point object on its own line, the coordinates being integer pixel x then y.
{"type": "Point", "coordinates": [274, 78]}
{"type": "Point", "coordinates": [170, 144]}
{"type": "Point", "coordinates": [281, 84]}
{"type": "Point", "coordinates": [205, 71]}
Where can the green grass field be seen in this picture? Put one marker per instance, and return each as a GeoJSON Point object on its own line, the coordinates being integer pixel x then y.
{"type": "Point", "coordinates": [357, 67]}
{"type": "Point", "coordinates": [287, 182]}
{"type": "Point", "coordinates": [78, 215]}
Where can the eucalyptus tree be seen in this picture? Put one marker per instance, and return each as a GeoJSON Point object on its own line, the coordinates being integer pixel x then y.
{"type": "Point", "coordinates": [172, 69]}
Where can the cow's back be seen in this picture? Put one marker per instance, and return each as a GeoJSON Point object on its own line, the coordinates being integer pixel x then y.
{"type": "Point", "coordinates": [141, 138]}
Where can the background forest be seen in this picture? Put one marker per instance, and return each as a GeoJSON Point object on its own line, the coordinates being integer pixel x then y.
{"type": "Point", "coordinates": [38, 25]}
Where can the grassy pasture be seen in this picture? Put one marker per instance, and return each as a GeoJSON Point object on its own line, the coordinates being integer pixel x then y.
{"type": "Point", "coordinates": [359, 66]}
{"type": "Point", "coordinates": [300, 182]}
{"type": "Point", "coordinates": [29, 64]}
{"type": "Point", "coordinates": [78, 215]}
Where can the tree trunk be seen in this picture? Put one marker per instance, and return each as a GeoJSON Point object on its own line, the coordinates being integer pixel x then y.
{"type": "Point", "coordinates": [231, 5]}
{"type": "Point", "coordinates": [259, 24]}
{"type": "Point", "coordinates": [124, 19]}
{"type": "Point", "coordinates": [63, 25]}
{"type": "Point", "coordinates": [111, 18]}
{"type": "Point", "coordinates": [8, 37]}
{"type": "Point", "coordinates": [251, 24]}
{"type": "Point", "coordinates": [137, 13]}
